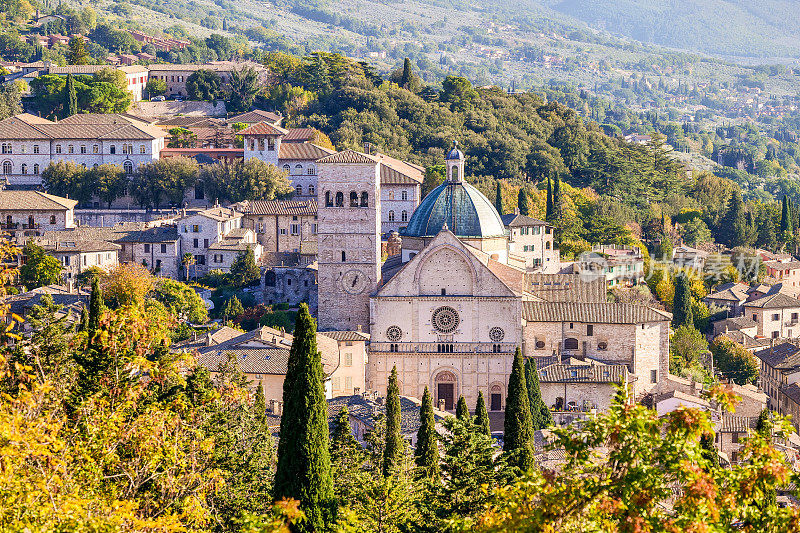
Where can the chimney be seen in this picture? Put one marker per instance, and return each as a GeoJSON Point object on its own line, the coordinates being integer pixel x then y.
{"type": "Point", "coordinates": [358, 328]}
{"type": "Point", "coordinates": [367, 148]}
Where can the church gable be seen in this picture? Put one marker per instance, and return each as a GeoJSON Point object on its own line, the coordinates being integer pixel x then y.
{"type": "Point", "coordinates": [445, 265]}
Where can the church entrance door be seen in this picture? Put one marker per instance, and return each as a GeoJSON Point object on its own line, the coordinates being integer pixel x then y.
{"type": "Point", "coordinates": [496, 402]}
{"type": "Point", "coordinates": [446, 392]}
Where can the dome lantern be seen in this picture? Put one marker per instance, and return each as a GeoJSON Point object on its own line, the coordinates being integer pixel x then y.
{"type": "Point", "coordinates": [455, 164]}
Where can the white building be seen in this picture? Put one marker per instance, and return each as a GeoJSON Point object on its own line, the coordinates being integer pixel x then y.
{"type": "Point", "coordinates": [531, 242]}
{"type": "Point", "coordinates": [30, 213]}
{"type": "Point", "coordinates": [28, 144]}
{"type": "Point", "coordinates": [215, 237]}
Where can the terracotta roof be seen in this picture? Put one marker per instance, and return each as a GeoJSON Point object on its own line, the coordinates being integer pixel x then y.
{"type": "Point", "coordinates": [774, 301]}
{"type": "Point", "coordinates": [257, 115]}
{"type": "Point", "coordinates": [562, 373]}
{"type": "Point", "coordinates": [299, 135]}
{"type": "Point", "coordinates": [682, 396]}
{"type": "Point", "coordinates": [92, 127]}
{"type": "Point", "coordinates": [78, 69]}
{"type": "Point", "coordinates": [210, 338]}
{"type": "Point", "coordinates": [279, 207]}
{"type": "Point", "coordinates": [133, 69]}
{"type": "Point", "coordinates": [219, 213]}
{"type": "Point", "coordinates": [350, 157]}
{"type": "Point", "coordinates": [781, 265]}
{"type": "Point", "coordinates": [514, 220]}
{"type": "Point", "coordinates": [566, 288]}
{"type": "Point", "coordinates": [783, 356]}
{"type": "Point", "coordinates": [19, 127]}
{"type": "Point", "coordinates": [366, 410]}
{"type": "Point", "coordinates": [736, 292]}
{"type": "Point", "coordinates": [302, 152]}
{"type": "Point", "coordinates": [33, 201]}
{"type": "Point", "coordinates": [231, 245]}
{"type": "Point", "coordinates": [738, 424]}
{"type": "Point", "coordinates": [67, 246]}
{"type": "Point", "coordinates": [157, 234]}
{"type": "Point", "coordinates": [399, 172]}
{"type": "Point", "coordinates": [346, 335]}
{"type": "Point", "coordinates": [591, 312]}
{"type": "Point", "coordinates": [189, 121]}
{"type": "Point", "coordinates": [33, 119]}
{"type": "Point", "coordinates": [107, 119]}
{"type": "Point", "coordinates": [263, 128]}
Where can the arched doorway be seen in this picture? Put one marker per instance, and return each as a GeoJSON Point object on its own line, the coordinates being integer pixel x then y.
{"type": "Point", "coordinates": [445, 384]}
{"type": "Point", "coordinates": [496, 397]}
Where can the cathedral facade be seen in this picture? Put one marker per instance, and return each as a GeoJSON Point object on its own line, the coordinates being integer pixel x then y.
{"type": "Point", "coordinates": [450, 311]}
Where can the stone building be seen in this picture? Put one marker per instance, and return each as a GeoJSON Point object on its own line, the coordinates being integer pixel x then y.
{"type": "Point", "coordinates": [580, 386]}
{"type": "Point", "coordinates": [158, 248]}
{"type": "Point", "coordinates": [401, 187]}
{"type": "Point", "coordinates": [349, 239]}
{"type": "Point", "coordinates": [30, 144]}
{"type": "Point", "coordinates": [531, 242]}
{"type": "Point", "coordinates": [214, 237]}
{"type": "Point", "coordinates": [285, 228]}
{"type": "Point", "coordinates": [776, 315]}
{"type": "Point", "coordinates": [77, 256]}
{"type": "Point", "coordinates": [175, 76]}
{"type": "Point", "coordinates": [290, 284]}
{"type": "Point", "coordinates": [30, 213]}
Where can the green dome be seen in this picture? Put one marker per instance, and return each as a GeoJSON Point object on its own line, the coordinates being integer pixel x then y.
{"type": "Point", "coordinates": [467, 213]}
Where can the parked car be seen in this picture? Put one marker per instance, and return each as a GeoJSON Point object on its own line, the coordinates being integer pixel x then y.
{"type": "Point", "coordinates": [178, 98]}
{"type": "Point", "coordinates": [158, 99]}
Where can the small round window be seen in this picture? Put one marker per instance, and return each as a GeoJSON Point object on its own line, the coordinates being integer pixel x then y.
{"type": "Point", "coordinates": [602, 346]}
{"type": "Point", "coordinates": [445, 319]}
{"type": "Point", "coordinates": [497, 334]}
{"type": "Point", "coordinates": [394, 333]}
{"type": "Point", "coordinates": [539, 345]}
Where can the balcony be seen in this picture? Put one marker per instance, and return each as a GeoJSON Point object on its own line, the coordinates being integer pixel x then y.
{"type": "Point", "coordinates": [443, 347]}
{"type": "Point", "coordinates": [17, 225]}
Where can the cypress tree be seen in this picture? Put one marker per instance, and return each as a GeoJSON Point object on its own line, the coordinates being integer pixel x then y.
{"type": "Point", "coordinates": [518, 429]}
{"type": "Point", "coordinates": [95, 308]}
{"type": "Point", "coordinates": [393, 450]}
{"type": "Point", "coordinates": [405, 79]}
{"type": "Point", "coordinates": [682, 302]}
{"type": "Point", "coordinates": [548, 216]}
{"type": "Point", "coordinates": [71, 106]}
{"type": "Point", "coordinates": [786, 218]}
{"type": "Point", "coordinates": [733, 228]}
{"type": "Point", "coordinates": [498, 199]}
{"type": "Point", "coordinates": [347, 458]}
{"type": "Point", "coordinates": [462, 411]}
{"type": "Point", "coordinates": [83, 325]}
{"type": "Point", "coordinates": [304, 468]}
{"type": "Point", "coordinates": [522, 202]}
{"type": "Point", "coordinates": [540, 414]}
{"type": "Point", "coordinates": [426, 454]}
{"type": "Point", "coordinates": [482, 416]}
{"type": "Point", "coordinates": [557, 199]}
{"type": "Point", "coordinates": [709, 451]}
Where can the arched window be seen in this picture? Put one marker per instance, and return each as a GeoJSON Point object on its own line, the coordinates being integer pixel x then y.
{"type": "Point", "coordinates": [547, 245]}
{"type": "Point", "coordinates": [6, 148]}
{"type": "Point", "coordinates": [454, 174]}
{"type": "Point", "coordinates": [353, 199]}
{"type": "Point", "coordinates": [9, 221]}
{"type": "Point", "coordinates": [344, 256]}
{"type": "Point", "coordinates": [128, 167]}
{"type": "Point", "coordinates": [31, 221]}
{"type": "Point", "coordinates": [404, 216]}
{"type": "Point", "coordinates": [364, 199]}
{"type": "Point", "coordinates": [36, 168]}
{"type": "Point", "coordinates": [339, 199]}
{"type": "Point", "coordinates": [299, 190]}
{"type": "Point", "coordinates": [570, 344]}
{"type": "Point", "coordinates": [24, 168]}
{"type": "Point", "coordinates": [71, 149]}
{"type": "Point", "coordinates": [286, 168]}
{"type": "Point", "coordinates": [298, 169]}
{"type": "Point", "coordinates": [391, 216]}
{"type": "Point", "coordinates": [328, 199]}
{"type": "Point", "coordinates": [7, 167]}
{"type": "Point", "coordinates": [404, 195]}
{"type": "Point", "coordinates": [112, 149]}
{"type": "Point", "coordinates": [52, 219]}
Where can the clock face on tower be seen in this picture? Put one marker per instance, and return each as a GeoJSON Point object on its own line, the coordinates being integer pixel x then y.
{"type": "Point", "coordinates": [354, 281]}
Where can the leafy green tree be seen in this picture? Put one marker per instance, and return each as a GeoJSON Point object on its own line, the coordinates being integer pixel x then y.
{"type": "Point", "coordinates": [243, 88]}
{"type": "Point", "coordinates": [204, 84]}
{"type": "Point", "coordinates": [39, 268]}
{"type": "Point", "coordinates": [164, 179]}
{"type": "Point", "coordinates": [155, 87]}
{"type": "Point", "coordinates": [734, 361]}
{"type": "Point", "coordinates": [71, 105]}
{"type": "Point", "coordinates": [77, 51]}
{"type": "Point", "coordinates": [665, 248]}
{"type": "Point", "coordinates": [181, 138]}
{"type": "Point", "coordinates": [558, 200]}
{"type": "Point", "coordinates": [49, 349]}
{"type": "Point", "coordinates": [109, 182]}
{"type": "Point", "coordinates": [686, 346]}
{"type": "Point", "coordinates": [482, 416]}
{"type": "Point", "coordinates": [253, 179]}
{"type": "Point", "coordinates": [522, 202]}
{"type": "Point", "coordinates": [540, 414]}
{"type": "Point", "coordinates": [434, 176]}
{"type": "Point", "coordinates": [462, 411]}
{"type": "Point", "coordinates": [233, 308]}
{"type": "Point", "coordinates": [83, 323]}
{"type": "Point", "coordinates": [394, 447]}
{"type": "Point", "coordinates": [244, 270]}
{"type": "Point", "coordinates": [181, 300]}
{"type": "Point", "coordinates": [427, 453]}
{"type": "Point", "coordinates": [304, 469]}
{"type": "Point", "coordinates": [405, 78]}
{"type": "Point", "coordinates": [518, 428]}
{"type": "Point", "coordinates": [96, 307]}
{"type": "Point", "coordinates": [682, 302]}
{"type": "Point", "coordinates": [458, 92]}
{"type": "Point", "coordinates": [66, 178]}
{"type": "Point", "coordinates": [695, 232]}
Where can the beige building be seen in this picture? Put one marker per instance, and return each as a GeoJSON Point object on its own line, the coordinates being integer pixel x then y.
{"type": "Point", "coordinates": [777, 315]}
{"type": "Point", "coordinates": [531, 242]}
{"type": "Point", "coordinates": [780, 369]}
{"type": "Point", "coordinates": [581, 386]}
{"type": "Point", "coordinates": [31, 213]}
{"type": "Point", "coordinates": [286, 229]}
{"type": "Point", "coordinates": [263, 354]}
{"type": "Point", "coordinates": [158, 248]}
{"type": "Point", "coordinates": [785, 271]}
{"type": "Point", "coordinates": [77, 256]}
{"type": "Point", "coordinates": [175, 76]}
{"type": "Point", "coordinates": [215, 237]}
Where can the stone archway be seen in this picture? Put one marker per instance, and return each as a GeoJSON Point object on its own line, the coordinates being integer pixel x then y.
{"type": "Point", "coordinates": [445, 388]}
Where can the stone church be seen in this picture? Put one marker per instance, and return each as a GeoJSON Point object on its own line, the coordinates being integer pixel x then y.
{"type": "Point", "coordinates": [450, 310]}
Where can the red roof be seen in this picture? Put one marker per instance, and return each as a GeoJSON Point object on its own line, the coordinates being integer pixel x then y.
{"type": "Point", "coordinates": [263, 128]}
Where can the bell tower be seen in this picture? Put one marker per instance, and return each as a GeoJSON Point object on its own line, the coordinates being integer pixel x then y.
{"type": "Point", "coordinates": [455, 164]}
{"type": "Point", "coordinates": [348, 239]}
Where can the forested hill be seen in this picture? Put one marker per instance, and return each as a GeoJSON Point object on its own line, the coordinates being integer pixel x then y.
{"type": "Point", "coordinates": [724, 27]}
